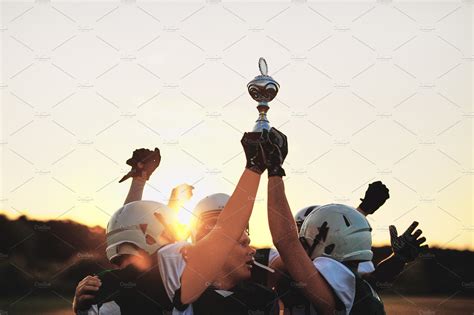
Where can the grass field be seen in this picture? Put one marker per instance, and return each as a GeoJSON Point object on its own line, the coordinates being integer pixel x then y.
{"type": "Point", "coordinates": [393, 305]}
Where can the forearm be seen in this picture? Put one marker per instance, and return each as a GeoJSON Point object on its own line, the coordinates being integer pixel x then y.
{"type": "Point", "coordinates": [235, 216]}
{"type": "Point", "coordinates": [388, 269]}
{"type": "Point", "coordinates": [282, 225]}
{"type": "Point", "coordinates": [135, 192]}
{"type": "Point", "coordinates": [285, 237]}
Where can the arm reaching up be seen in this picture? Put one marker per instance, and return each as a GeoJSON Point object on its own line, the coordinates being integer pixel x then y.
{"type": "Point", "coordinates": [143, 163]}
{"type": "Point", "coordinates": [207, 257]}
{"type": "Point", "coordinates": [285, 235]}
{"type": "Point", "coordinates": [405, 248]}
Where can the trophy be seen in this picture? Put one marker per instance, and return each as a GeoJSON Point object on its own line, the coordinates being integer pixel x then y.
{"type": "Point", "coordinates": [263, 89]}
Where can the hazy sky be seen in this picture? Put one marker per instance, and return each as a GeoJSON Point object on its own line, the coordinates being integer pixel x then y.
{"type": "Point", "coordinates": [369, 91]}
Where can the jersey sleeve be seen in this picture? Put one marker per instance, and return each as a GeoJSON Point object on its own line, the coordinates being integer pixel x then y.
{"type": "Point", "coordinates": [272, 255]}
{"type": "Point", "coordinates": [365, 267]}
{"type": "Point", "coordinates": [109, 308]}
{"type": "Point", "coordinates": [340, 278]}
{"type": "Point", "coordinates": [171, 264]}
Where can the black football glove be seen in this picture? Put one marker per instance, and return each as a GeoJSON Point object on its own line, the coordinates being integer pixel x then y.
{"type": "Point", "coordinates": [375, 197]}
{"type": "Point", "coordinates": [143, 163]}
{"type": "Point", "coordinates": [252, 143]}
{"type": "Point", "coordinates": [276, 151]}
{"type": "Point", "coordinates": [407, 246]}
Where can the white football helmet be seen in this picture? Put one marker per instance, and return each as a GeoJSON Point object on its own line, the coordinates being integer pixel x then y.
{"type": "Point", "coordinates": [302, 214]}
{"type": "Point", "coordinates": [207, 206]}
{"type": "Point", "coordinates": [146, 224]}
{"type": "Point", "coordinates": [337, 231]}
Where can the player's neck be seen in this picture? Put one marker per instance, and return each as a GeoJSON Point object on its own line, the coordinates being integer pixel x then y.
{"type": "Point", "coordinates": [225, 282]}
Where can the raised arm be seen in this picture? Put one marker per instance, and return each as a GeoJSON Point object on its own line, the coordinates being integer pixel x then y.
{"type": "Point", "coordinates": [207, 257]}
{"type": "Point", "coordinates": [405, 248]}
{"type": "Point", "coordinates": [284, 232]}
{"type": "Point", "coordinates": [297, 261]}
{"type": "Point", "coordinates": [143, 163]}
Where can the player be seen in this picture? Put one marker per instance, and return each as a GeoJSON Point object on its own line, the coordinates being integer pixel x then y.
{"type": "Point", "coordinates": [334, 240]}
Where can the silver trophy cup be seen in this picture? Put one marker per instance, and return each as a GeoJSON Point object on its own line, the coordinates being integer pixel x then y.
{"type": "Point", "coordinates": [263, 89]}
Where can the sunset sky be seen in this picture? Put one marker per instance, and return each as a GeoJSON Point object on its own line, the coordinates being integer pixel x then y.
{"type": "Point", "coordinates": [368, 91]}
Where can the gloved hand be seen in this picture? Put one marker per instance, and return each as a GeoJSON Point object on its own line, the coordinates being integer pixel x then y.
{"type": "Point", "coordinates": [407, 246]}
{"type": "Point", "coordinates": [143, 163]}
{"type": "Point", "coordinates": [252, 143]}
{"type": "Point", "coordinates": [276, 151]}
{"type": "Point", "coordinates": [375, 197]}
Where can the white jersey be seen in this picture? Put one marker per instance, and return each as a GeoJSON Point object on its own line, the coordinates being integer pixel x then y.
{"type": "Point", "coordinates": [171, 264]}
{"type": "Point", "coordinates": [109, 308]}
{"type": "Point", "coordinates": [340, 278]}
{"type": "Point", "coordinates": [363, 268]}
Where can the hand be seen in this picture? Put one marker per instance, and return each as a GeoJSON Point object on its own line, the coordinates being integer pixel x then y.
{"type": "Point", "coordinates": [179, 196]}
{"type": "Point", "coordinates": [252, 143]}
{"type": "Point", "coordinates": [276, 151]}
{"type": "Point", "coordinates": [407, 246]}
{"type": "Point", "coordinates": [85, 293]}
{"type": "Point", "coordinates": [375, 197]}
{"type": "Point", "coordinates": [181, 193]}
{"type": "Point", "coordinates": [143, 163]}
